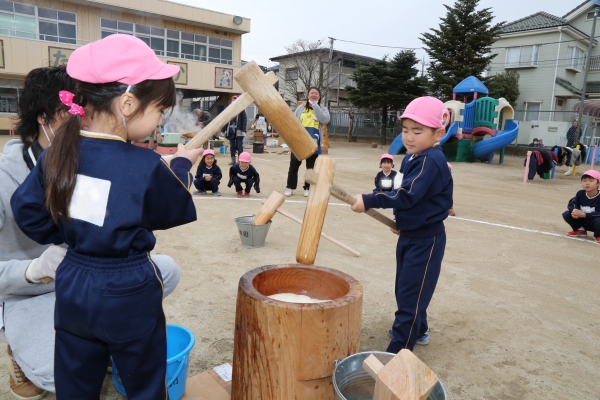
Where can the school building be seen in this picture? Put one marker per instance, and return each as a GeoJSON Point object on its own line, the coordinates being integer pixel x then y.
{"type": "Point", "coordinates": [206, 45]}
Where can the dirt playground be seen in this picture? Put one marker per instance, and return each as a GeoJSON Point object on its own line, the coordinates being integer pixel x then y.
{"type": "Point", "coordinates": [516, 311]}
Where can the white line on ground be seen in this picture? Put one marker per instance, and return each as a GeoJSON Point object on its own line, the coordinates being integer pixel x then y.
{"type": "Point", "coordinates": [212, 197]}
{"type": "Point", "coordinates": [559, 235]}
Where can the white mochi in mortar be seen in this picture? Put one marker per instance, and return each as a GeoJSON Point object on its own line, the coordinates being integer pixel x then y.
{"type": "Point", "coordinates": [295, 298]}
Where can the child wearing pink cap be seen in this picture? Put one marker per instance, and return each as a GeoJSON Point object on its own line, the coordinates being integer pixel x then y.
{"type": "Point", "coordinates": [104, 198]}
{"type": "Point", "coordinates": [420, 205]}
{"type": "Point", "coordinates": [387, 179]}
{"type": "Point", "coordinates": [244, 173]}
{"type": "Point", "coordinates": [208, 174]}
{"type": "Point", "coordinates": [584, 209]}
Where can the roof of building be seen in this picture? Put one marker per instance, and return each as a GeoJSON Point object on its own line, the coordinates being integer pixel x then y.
{"type": "Point", "coordinates": [273, 68]}
{"type": "Point", "coordinates": [576, 8]}
{"type": "Point", "coordinates": [591, 87]}
{"type": "Point", "coordinates": [470, 85]}
{"type": "Point", "coordinates": [336, 55]}
{"type": "Point", "coordinates": [539, 20]}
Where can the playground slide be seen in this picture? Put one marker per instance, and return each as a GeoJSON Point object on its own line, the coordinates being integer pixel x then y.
{"type": "Point", "coordinates": [484, 148]}
{"type": "Point", "coordinates": [397, 145]}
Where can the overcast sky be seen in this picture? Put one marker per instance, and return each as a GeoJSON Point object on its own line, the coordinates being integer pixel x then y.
{"type": "Point", "coordinates": [276, 24]}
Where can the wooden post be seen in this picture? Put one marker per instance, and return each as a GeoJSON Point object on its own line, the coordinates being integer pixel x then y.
{"type": "Point", "coordinates": [227, 115]}
{"type": "Point", "coordinates": [279, 114]}
{"type": "Point", "coordinates": [526, 167]}
{"type": "Point", "coordinates": [285, 351]}
{"type": "Point", "coordinates": [316, 208]}
{"type": "Point", "coordinates": [404, 377]}
{"type": "Point", "coordinates": [269, 209]}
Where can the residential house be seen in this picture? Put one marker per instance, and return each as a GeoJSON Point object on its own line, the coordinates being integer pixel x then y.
{"type": "Point", "coordinates": [549, 53]}
{"type": "Point", "coordinates": [207, 45]}
{"type": "Point", "coordinates": [330, 72]}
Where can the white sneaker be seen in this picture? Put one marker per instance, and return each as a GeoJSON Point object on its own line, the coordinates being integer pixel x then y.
{"type": "Point", "coordinates": [569, 172]}
{"type": "Point", "coordinates": [305, 192]}
{"type": "Point", "coordinates": [288, 192]}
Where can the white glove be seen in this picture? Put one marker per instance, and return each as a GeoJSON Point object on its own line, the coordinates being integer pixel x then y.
{"type": "Point", "coordinates": [45, 266]}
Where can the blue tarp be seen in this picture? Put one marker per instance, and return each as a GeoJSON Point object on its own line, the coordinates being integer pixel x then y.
{"type": "Point", "coordinates": [470, 85]}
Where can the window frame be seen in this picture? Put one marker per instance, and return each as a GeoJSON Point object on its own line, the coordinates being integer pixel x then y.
{"type": "Point", "coordinates": [287, 72]}
{"type": "Point", "coordinates": [37, 35]}
{"type": "Point", "coordinates": [526, 118]}
{"type": "Point", "coordinates": [520, 64]}
{"type": "Point", "coordinates": [580, 60]}
{"type": "Point", "coordinates": [196, 40]}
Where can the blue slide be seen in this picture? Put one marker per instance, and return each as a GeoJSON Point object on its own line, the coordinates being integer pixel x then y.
{"type": "Point", "coordinates": [397, 145]}
{"type": "Point", "coordinates": [485, 148]}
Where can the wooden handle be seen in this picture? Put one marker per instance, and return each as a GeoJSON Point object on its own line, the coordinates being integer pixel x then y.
{"type": "Point", "coordinates": [316, 207]}
{"type": "Point", "coordinates": [405, 377]}
{"type": "Point", "coordinates": [226, 115]}
{"type": "Point", "coordinates": [341, 194]}
{"type": "Point", "coordinates": [269, 208]}
{"type": "Point", "coordinates": [326, 236]}
{"type": "Point", "coordinates": [372, 365]}
{"type": "Point", "coordinates": [279, 114]}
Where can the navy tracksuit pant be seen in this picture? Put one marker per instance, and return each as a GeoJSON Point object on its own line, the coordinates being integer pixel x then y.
{"type": "Point", "coordinates": [237, 182]}
{"type": "Point", "coordinates": [589, 224]}
{"type": "Point", "coordinates": [109, 307]}
{"type": "Point", "coordinates": [418, 265]}
{"type": "Point", "coordinates": [212, 185]}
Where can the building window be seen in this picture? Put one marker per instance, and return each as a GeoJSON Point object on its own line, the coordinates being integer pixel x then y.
{"type": "Point", "coordinates": [31, 22]}
{"type": "Point", "coordinates": [575, 58]}
{"type": "Point", "coordinates": [291, 74]}
{"type": "Point", "coordinates": [172, 43]}
{"type": "Point", "coordinates": [8, 100]}
{"type": "Point", "coordinates": [532, 111]}
{"type": "Point", "coordinates": [590, 15]}
{"type": "Point", "coordinates": [522, 56]}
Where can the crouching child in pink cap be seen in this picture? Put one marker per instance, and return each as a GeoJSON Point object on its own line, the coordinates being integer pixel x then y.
{"type": "Point", "coordinates": [244, 173]}
{"type": "Point", "coordinates": [208, 174]}
{"type": "Point", "coordinates": [104, 197]}
{"type": "Point", "coordinates": [421, 205]}
{"type": "Point", "coordinates": [583, 212]}
{"type": "Point", "coordinates": [387, 178]}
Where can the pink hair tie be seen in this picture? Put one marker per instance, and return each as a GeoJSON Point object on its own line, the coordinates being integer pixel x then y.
{"type": "Point", "coordinates": [66, 98]}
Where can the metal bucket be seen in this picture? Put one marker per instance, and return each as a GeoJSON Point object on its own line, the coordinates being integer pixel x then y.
{"type": "Point", "coordinates": [352, 382]}
{"type": "Point", "coordinates": [252, 236]}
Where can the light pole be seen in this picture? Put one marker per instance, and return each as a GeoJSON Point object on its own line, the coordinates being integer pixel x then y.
{"type": "Point", "coordinates": [587, 63]}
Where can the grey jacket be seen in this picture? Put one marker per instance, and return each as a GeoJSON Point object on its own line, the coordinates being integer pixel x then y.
{"type": "Point", "coordinates": [16, 249]}
{"type": "Point", "coordinates": [321, 113]}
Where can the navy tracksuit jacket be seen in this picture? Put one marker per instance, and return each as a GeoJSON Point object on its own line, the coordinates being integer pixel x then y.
{"type": "Point", "coordinates": [108, 291]}
{"type": "Point", "coordinates": [420, 205]}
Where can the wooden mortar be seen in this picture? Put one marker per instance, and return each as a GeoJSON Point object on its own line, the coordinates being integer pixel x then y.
{"type": "Point", "coordinates": [286, 350]}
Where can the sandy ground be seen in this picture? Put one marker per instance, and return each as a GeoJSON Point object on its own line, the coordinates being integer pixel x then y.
{"type": "Point", "coordinates": [515, 314]}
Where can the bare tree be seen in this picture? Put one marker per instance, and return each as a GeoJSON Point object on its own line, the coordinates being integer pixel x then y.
{"type": "Point", "coordinates": [306, 67]}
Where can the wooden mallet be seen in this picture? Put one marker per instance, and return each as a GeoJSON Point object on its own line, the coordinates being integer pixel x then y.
{"type": "Point", "coordinates": [316, 207]}
{"type": "Point", "coordinates": [269, 208]}
{"type": "Point", "coordinates": [258, 89]}
{"type": "Point", "coordinates": [404, 377]}
{"type": "Point", "coordinates": [326, 236]}
{"type": "Point", "coordinates": [339, 193]}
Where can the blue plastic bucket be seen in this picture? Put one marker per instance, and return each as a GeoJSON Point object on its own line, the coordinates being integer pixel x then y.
{"type": "Point", "coordinates": [180, 342]}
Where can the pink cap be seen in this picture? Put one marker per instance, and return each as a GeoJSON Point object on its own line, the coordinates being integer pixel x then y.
{"type": "Point", "coordinates": [245, 157]}
{"type": "Point", "coordinates": [208, 151]}
{"type": "Point", "coordinates": [386, 155]}
{"type": "Point", "coordinates": [427, 111]}
{"type": "Point", "coordinates": [118, 58]}
{"type": "Point", "coordinates": [592, 173]}
{"type": "Point", "coordinates": [234, 97]}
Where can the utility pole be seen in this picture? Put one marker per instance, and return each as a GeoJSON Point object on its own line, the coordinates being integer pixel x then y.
{"type": "Point", "coordinates": [423, 67]}
{"type": "Point", "coordinates": [587, 66]}
{"type": "Point", "coordinates": [328, 80]}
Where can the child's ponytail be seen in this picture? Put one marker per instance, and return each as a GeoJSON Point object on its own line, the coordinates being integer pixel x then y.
{"type": "Point", "coordinates": [60, 168]}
